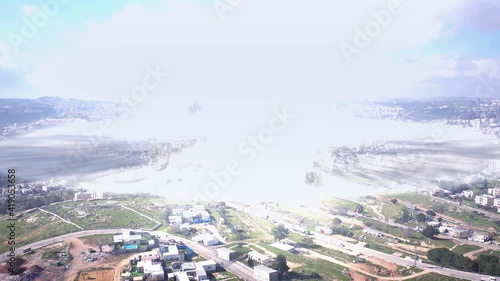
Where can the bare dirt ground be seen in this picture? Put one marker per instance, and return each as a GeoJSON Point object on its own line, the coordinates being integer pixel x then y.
{"type": "Point", "coordinates": [355, 276]}
{"type": "Point", "coordinates": [385, 264]}
{"type": "Point", "coordinates": [98, 275]}
{"type": "Point", "coordinates": [78, 251]}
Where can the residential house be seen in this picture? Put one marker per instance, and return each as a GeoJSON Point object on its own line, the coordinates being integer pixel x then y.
{"type": "Point", "coordinates": [177, 212]}
{"type": "Point", "coordinates": [226, 254]}
{"type": "Point", "coordinates": [283, 247]}
{"type": "Point", "coordinates": [206, 239]}
{"type": "Point", "coordinates": [171, 253]}
{"type": "Point", "coordinates": [372, 232]}
{"type": "Point", "coordinates": [205, 216]}
{"type": "Point", "coordinates": [127, 239]}
{"type": "Point", "coordinates": [437, 192]}
{"type": "Point", "coordinates": [208, 265]}
{"type": "Point", "coordinates": [485, 200]}
{"type": "Point", "coordinates": [175, 220]}
{"type": "Point", "coordinates": [477, 238]}
{"type": "Point", "coordinates": [261, 258]}
{"type": "Point", "coordinates": [154, 270]}
{"type": "Point", "coordinates": [264, 273]}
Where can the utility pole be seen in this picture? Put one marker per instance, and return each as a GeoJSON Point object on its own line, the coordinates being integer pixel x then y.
{"type": "Point", "coordinates": [416, 257]}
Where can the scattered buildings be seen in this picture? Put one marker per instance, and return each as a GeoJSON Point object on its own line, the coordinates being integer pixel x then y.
{"type": "Point", "coordinates": [196, 214]}
{"type": "Point", "coordinates": [88, 195]}
{"type": "Point", "coordinates": [226, 254]}
{"type": "Point", "coordinates": [264, 273]}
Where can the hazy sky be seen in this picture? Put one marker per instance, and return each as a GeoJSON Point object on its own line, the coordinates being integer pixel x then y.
{"type": "Point", "coordinates": [250, 49]}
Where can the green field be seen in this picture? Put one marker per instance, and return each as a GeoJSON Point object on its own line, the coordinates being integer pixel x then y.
{"type": "Point", "coordinates": [99, 214]}
{"type": "Point", "coordinates": [34, 227]}
{"type": "Point", "coordinates": [449, 209]}
{"type": "Point", "coordinates": [462, 249]}
{"type": "Point", "coordinates": [308, 266]}
{"type": "Point", "coordinates": [392, 211]}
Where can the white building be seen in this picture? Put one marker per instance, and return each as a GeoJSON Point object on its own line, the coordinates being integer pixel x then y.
{"type": "Point", "coordinates": [261, 258]}
{"type": "Point", "coordinates": [496, 202]}
{"type": "Point", "coordinates": [495, 191]}
{"type": "Point", "coordinates": [206, 239]}
{"type": "Point", "coordinates": [204, 215]}
{"type": "Point", "coordinates": [226, 254]}
{"type": "Point", "coordinates": [199, 208]}
{"type": "Point", "coordinates": [372, 232]}
{"type": "Point", "coordinates": [172, 253]}
{"type": "Point", "coordinates": [154, 269]}
{"type": "Point", "coordinates": [127, 239]}
{"type": "Point", "coordinates": [283, 247]}
{"type": "Point", "coordinates": [208, 265]}
{"type": "Point", "coordinates": [324, 229]}
{"type": "Point", "coordinates": [485, 200]}
{"type": "Point", "coordinates": [469, 194]}
{"type": "Point", "coordinates": [175, 220]}
{"type": "Point", "coordinates": [264, 273]}
{"type": "Point", "coordinates": [177, 212]}
{"type": "Point", "coordinates": [82, 196]}
{"type": "Point", "coordinates": [181, 276]}
{"type": "Point", "coordinates": [88, 195]}
{"type": "Point", "coordinates": [477, 238]}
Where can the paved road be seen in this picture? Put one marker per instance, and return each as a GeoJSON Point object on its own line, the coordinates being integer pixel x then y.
{"type": "Point", "coordinates": [237, 268]}
{"type": "Point", "coordinates": [335, 244]}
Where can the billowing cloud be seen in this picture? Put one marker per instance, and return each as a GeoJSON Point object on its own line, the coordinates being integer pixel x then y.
{"type": "Point", "coordinates": [260, 50]}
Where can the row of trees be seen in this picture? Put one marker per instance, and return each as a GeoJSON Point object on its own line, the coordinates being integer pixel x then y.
{"type": "Point", "coordinates": [30, 201]}
{"type": "Point", "coordinates": [484, 263]}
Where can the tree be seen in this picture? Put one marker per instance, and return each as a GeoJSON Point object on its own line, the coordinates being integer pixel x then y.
{"type": "Point", "coordinates": [394, 201]}
{"type": "Point", "coordinates": [359, 209]}
{"type": "Point", "coordinates": [430, 232]}
{"type": "Point", "coordinates": [336, 221]}
{"type": "Point", "coordinates": [100, 241]}
{"type": "Point", "coordinates": [250, 262]}
{"type": "Point", "coordinates": [307, 240]}
{"type": "Point", "coordinates": [431, 213]}
{"type": "Point", "coordinates": [280, 265]}
{"type": "Point", "coordinates": [280, 232]}
{"type": "Point", "coordinates": [421, 217]}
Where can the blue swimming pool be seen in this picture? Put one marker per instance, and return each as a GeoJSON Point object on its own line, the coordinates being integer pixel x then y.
{"type": "Point", "coordinates": [130, 247]}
